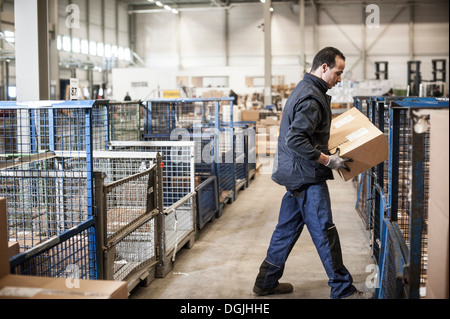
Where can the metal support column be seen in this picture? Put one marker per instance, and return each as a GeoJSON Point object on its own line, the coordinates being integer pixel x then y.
{"type": "Point", "coordinates": [53, 50]}
{"type": "Point", "coordinates": [267, 53]}
{"type": "Point", "coordinates": [302, 36]}
{"type": "Point", "coordinates": [31, 38]}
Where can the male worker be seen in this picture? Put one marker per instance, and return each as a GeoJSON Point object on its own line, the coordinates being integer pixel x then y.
{"type": "Point", "coordinates": [303, 164]}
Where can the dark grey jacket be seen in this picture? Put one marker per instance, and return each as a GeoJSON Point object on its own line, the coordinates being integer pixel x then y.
{"type": "Point", "coordinates": [304, 134]}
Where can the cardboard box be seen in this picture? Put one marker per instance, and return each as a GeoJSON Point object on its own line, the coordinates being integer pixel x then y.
{"type": "Point", "coordinates": [13, 248]}
{"type": "Point", "coordinates": [270, 121]}
{"type": "Point", "coordinates": [33, 287]}
{"type": "Point", "coordinates": [265, 145]}
{"type": "Point", "coordinates": [250, 115]}
{"type": "Point", "coordinates": [357, 138]}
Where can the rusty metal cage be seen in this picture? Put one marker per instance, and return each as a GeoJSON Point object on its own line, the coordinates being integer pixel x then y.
{"type": "Point", "coordinates": [129, 197]}
{"type": "Point", "coordinates": [178, 184]}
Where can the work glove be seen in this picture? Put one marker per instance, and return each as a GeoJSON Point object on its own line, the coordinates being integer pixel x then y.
{"type": "Point", "coordinates": [337, 162]}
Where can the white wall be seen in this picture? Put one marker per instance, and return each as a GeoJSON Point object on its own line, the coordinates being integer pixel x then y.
{"type": "Point", "coordinates": [197, 41]}
{"type": "Point", "coordinates": [158, 79]}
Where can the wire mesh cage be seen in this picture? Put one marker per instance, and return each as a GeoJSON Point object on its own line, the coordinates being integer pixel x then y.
{"type": "Point", "coordinates": [129, 181]}
{"type": "Point", "coordinates": [166, 115]}
{"type": "Point", "coordinates": [126, 120]}
{"type": "Point", "coordinates": [129, 210]}
{"type": "Point", "coordinates": [135, 251]}
{"type": "Point", "coordinates": [207, 199]}
{"type": "Point", "coordinates": [47, 176]}
{"type": "Point", "coordinates": [168, 119]}
{"type": "Point", "coordinates": [178, 184]}
{"type": "Point", "coordinates": [398, 189]}
{"type": "Point", "coordinates": [406, 169]}
{"type": "Point", "coordinates": [393, 257]}
{"type": "Point", "coordinates": [45, 170]}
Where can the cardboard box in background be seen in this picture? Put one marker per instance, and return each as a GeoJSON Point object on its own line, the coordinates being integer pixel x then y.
{"type": "Point", "coordinates": [33, 287]}
{"type": "Point", "coordinates": [357, 138]}
{"type": "Point", "coordinates": [270, 121]}
{"type": "Point", "coordinates": [250, 115]}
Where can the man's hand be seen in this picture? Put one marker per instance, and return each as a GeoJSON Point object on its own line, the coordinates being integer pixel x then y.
{"type": "Point", "coordinates": [337, 162]}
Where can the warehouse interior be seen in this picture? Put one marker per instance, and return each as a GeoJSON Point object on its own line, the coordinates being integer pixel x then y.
{"type": "Point", "coordinates": [138, 139]}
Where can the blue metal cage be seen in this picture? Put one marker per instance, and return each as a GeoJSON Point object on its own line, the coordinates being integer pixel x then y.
{"type": "Point", "coordinates": [392, 197]}
{"type": "Point", "coordinates": [52, 155]}
{"type": "Point", "coordinates": [126, 120]}
{"type": "Point", "coordinates": [46, 176]}
{"type": "Point", "coordinates": [229, 147]}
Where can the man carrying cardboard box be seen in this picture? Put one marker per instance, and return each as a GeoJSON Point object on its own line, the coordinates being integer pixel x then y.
{"type": "Point", "coordinates": [303, 165]}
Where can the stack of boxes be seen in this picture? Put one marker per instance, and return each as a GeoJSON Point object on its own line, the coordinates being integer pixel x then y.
{"type": "Point", "coordinates": [267, 129]}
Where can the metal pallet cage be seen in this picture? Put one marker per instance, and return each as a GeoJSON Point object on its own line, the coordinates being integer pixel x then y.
{"type": "Point", "coordinates": [126, 120]}
{"type": "Point", "coordinates": [409, 184]}
{"type": "Point", "coordinates": [129, 198]}
{"type": "Point", "coordinates": [123, 232]}
{"type": "Point", "coordinates": [168, 119]}
{"type": "Point", "coordinates": [178, 189]}
{"type": "Point", "coordinates": [47, 179]}
{"type": "Point", "coordinates": [47, 183]}
{"type": "Point", "coordinates": [225, 150]}
{"type": "Point", "coordinates": [372, 186]}
{"type": "Point", "coordinates": [393, 196]}
{"type": "Point", "coordinates": [207, 199]}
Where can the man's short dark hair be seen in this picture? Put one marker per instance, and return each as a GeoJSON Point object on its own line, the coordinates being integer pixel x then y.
{"type": "Point", "coordinates": [326, 55]}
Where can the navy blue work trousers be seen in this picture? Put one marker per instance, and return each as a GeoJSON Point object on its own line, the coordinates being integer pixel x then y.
{"type": "Point", "coordinates": [312, 208]}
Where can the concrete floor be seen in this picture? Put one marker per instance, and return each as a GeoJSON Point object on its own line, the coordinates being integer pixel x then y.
{"type": "Point", "coordinates": [225, 259]}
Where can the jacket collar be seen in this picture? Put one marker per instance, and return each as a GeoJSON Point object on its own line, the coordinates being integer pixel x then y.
{"type": "Point", "coordinates": [318, 82]}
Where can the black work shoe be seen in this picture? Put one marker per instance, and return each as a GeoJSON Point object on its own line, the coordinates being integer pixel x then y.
{"type": "Point", "coordinates": [360, 295]}
{"type": "Point", "coordinates": [282, 288]}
